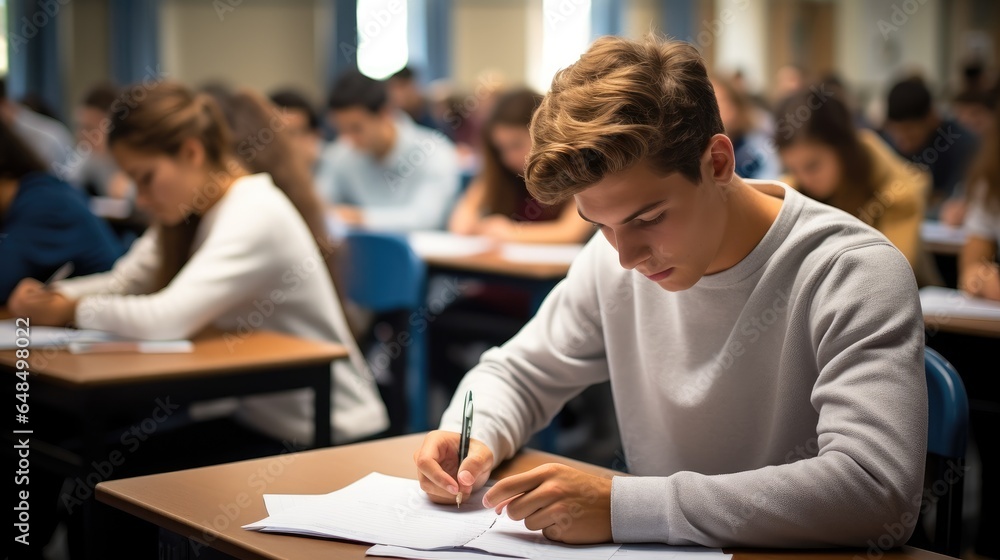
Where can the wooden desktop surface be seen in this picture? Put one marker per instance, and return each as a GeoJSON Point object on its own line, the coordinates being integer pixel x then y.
{"type": "Point", "coordinates": [963, 325]}
{"type": "Point", "coordinates": [214, 353]}
{"type": "Point", "coordinates": [210, 504]}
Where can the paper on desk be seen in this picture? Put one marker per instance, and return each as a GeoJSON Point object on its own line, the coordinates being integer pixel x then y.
{"type": "Point", "coordinates": [441, 244]}
{"type": "Point", "coordinates": [953, 303]}
{"type": "Point", "coordinates": [394, 511]}
{"type": "Point", "coordinates": [541, 253]}
{"type": "Point", "coordinates": [937, 232]}
{"type": "Point", "coordinates": [625, 552]}
{"type": "Point", "coordinates": [40, 336]}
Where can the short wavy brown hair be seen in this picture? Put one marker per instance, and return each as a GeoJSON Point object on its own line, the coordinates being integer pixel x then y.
{"type": "Point", "coordinates": [623, 102]}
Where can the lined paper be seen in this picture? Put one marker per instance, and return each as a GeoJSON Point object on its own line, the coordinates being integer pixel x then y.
{"type": "Point", "coordinates": [49, 336]}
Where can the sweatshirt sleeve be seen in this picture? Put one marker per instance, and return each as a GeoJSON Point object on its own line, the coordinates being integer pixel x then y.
{"type": "Point", "coordinates": [864, 486]}
{"type": "Point", "coordinates": [236, 258]}
{"type": "Point", "coordinates": [133, 273]}
{"type": "Point", "coordinates": [520, 386]}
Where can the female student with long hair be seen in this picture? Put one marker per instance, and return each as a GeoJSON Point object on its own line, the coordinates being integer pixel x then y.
{"type": "Point", "coordinates": [851, 169]}
{"type": "Point", "coordinates": [224, 247]}
{"type": "Point", "coordinates": [44, 222]}
{"type": "Point", "coordinates": [497, 203]}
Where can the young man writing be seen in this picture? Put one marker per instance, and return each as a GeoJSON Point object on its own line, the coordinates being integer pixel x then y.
{"type": "Point", "coordinates": [764, 350]}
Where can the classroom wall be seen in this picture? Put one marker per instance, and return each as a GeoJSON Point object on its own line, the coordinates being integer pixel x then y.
{"type": "Point", "coordinates": [85, 25]}
{"type": "Point", "coordinates": [490, 35]}
{"type": "Point", "coordinates": [876, 41]}
{"type": "Point", "coordinates": [263, 44]}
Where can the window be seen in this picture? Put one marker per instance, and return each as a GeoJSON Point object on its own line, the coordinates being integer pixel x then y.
{"type": "Point", "coordinates": [565, 36]}
{"type": "Point", "coordinates": [382, 37]}
{"type": "Point", "coordinates": [4, 65]}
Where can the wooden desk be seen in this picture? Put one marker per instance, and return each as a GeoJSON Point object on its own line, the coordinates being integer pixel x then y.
{"type": "Point", "coordinates": [493, 263]}
{"type": "Point", "coordinates": [962, 325]}
{"type": "Point", "coordinates": [209, 505]}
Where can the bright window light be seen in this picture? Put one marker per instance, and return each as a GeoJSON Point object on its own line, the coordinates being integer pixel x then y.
{"type": "Point", "coordinates": [4, 67]}
{"type": "Point", "coordinates": [565, 36]}
{"type": "Point", "coordinates": [382, 44]}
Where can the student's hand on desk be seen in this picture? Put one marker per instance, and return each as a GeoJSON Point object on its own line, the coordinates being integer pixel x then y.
{"type": "Point", "coordinates": [497, 227]}
{"type": "Point", "coordinates": [983, 280]}
{"type": "Point", "coordinates": [438, 468]}
{"type": "Point", "coordinates": [566, 504]}
{"type": "Point", "coordinates": [44, 307]}
{"type": "Point", "coordinates": [350, 215]}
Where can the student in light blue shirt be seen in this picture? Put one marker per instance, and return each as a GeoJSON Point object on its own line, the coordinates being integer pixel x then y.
{"type": "Point", "coordinates": [384, 172]}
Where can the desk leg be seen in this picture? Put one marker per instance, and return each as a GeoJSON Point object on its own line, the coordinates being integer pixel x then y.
{"type": "Point", "coordinates": [172, 546]}
{"type": "Point", "coordinates": [322, 404]}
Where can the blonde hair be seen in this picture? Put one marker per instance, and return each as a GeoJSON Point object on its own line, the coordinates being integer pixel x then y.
{"type": "Point", "coordinates": [622, 103]}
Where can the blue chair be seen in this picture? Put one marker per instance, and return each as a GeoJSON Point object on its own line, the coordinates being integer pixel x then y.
{"type": "Point", "coordinates": [947, 436]}
{"type": "Point", "coordinates": [384, 275]}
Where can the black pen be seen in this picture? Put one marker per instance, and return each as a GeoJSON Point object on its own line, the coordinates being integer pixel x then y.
{"type": "Point", "coordinates": [463, 442]}
{"type": "Point", "coordinates": [61, 273]}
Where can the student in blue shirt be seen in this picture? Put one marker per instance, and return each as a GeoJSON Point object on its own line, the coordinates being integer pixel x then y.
{"type": "Point", "coordinates": [44, 222]}
{"type": "Point", "coordinates": [384, 172]}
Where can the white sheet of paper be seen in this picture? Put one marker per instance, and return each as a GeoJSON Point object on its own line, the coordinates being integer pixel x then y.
{"type": "Point", "coordinates": [40, 336]}
{"type": "Point", "coordinates": [625, 552]}
{"type": "Point", "coordinates": [381, 509]}
{"type": "Point", "coordinates": [541, 253]}
{"type": "Point", "coordinates": [952, 303]}
{"type": "Point", "coordinates": [937, 232]}
{"type": "Point", "coordinates": [394, 512]}
{"type": "Point", "coordinates": [441, 244]}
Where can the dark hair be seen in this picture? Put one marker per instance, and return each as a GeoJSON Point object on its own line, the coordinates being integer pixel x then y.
{"type": "Point", "coordinates": [621, 103]}
{"type": "Point", "coordinates": [909, 100]}
{"type": "Point", "coordinates": [292, 99]}
{"type": "Point", "coordinates": [829, 123]}
{"type": "Point", "coordinates": [405, 74]}
{"type": "Point", "coordinates": [3, 89]}
{"type": "Point", "coordinates": [17, 159]}
{"type": "Point", "coordinates": [354, 89]}
{"type": "Point", "coordinates": [101, 97]}
{"type": "Point", "coordinates": [984, 98]}
{"type": "Point", "coordinates": [169, 115]}
{"type": "Point", "coordinates": [503, 186]}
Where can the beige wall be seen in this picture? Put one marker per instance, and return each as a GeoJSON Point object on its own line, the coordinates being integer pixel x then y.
{"type": "Point", "coordinates": [263, 44]}
{"type": "Point", "coordinates": [490, 35]}
{"type": "Point", "coordinates": [88, 62]}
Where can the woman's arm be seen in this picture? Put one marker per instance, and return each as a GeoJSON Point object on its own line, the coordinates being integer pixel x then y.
{"type": "Point", "coordinates": [977, 270]}
{"type": "Point", "coordinates": [468, 211]}
{"type": "Point", "coordinates": [569, 227]}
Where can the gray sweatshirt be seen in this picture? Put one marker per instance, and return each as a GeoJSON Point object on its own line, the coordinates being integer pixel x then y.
{"type": "Point", "coordinates": [781, 402]}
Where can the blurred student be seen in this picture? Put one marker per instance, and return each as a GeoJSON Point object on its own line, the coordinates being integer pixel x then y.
{"type": "Point", "coordinates": [405, 95]}
{"type": "Point", "coordinates": [384, 172]}
{"type": "Point", "coordinates": [919, 133]}
{"type": "Point", "coordinates": [44, 222]}
{"type": "Point", "coordinates": [973, 109]}
{"type": "Point", "coordinates": [224, 245]}
{"type": "Point", "coordinates": [45, 136]}
{"type": "Point", "coordinates": [979, 275]}
{"type": "Point", "coordinates": [852, 169]}
{"type": "Point", "coordinates": [497, 203]}
{"type": "Point", "coordinates": [755, 156]}
{"type": "Point", "coordinates": [978, 271]}
{"type": "Point", "coordinates": [303, 125]}
{"type": "Point", "coordinates": [96, 171]}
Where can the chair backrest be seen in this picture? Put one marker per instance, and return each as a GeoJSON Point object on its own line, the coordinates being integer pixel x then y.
{"type": "Point", "coordinates": [948, 407]}
{"type": "Point", "coordinates": [382, 272]}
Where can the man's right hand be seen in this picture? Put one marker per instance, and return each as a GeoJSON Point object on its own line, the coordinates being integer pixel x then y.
{"type": "Point", "coordinates": [439, 472]}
